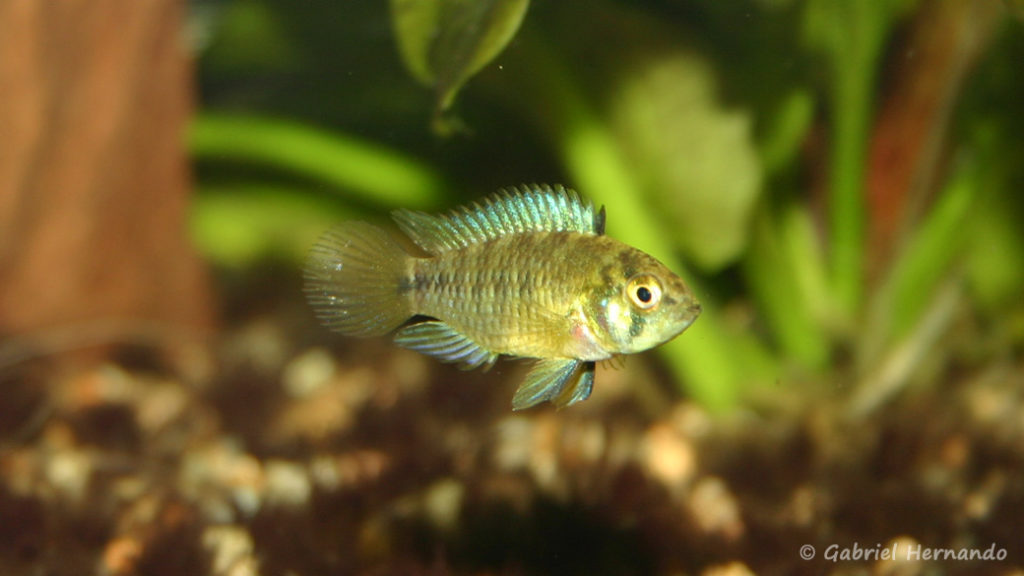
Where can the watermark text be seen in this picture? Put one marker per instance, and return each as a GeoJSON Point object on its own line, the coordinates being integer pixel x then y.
{"type": "Point", "coordinates": [903, 551]}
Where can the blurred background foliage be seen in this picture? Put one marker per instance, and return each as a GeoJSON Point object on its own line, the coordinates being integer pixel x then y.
{"type": "Point", "coordinates": [744, 143]}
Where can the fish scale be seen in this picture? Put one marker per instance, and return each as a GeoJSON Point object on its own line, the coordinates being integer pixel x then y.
{"type": "Point", "coordinates": [526, 272]}
{"type": "Point", "coordinates": [491, 305]}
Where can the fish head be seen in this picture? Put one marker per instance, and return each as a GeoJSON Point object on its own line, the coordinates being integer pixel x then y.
{"type": "Point", "coordinates": [640, 304]}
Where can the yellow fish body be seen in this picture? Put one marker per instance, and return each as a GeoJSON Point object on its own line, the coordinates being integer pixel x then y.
{"type": "Point", "coordinates": [526, 272]}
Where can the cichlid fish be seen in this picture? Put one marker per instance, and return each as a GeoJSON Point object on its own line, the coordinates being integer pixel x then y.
{"type": "Point", "coordinates": [526, 272]}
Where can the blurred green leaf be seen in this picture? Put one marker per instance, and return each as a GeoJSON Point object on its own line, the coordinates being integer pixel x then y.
{"type": "Point", "coordinates": [358, 167]}
{"type": "Point", "coordinates": [415, 24]}
{"type": "Point", "coordinates": [714, 362]}
{"type": "Point", "coordinates": [973, 221]}
{"type": "Point", "coordinates": [787, 129]}
{"type": "Point", "coordinates": [851, 29]}
{"type": "Point", "coordinates": [694, 159]}
{"type": "Point", "coordinates": [240, 225]}
{"type": "Point", "coordinates": [926, 258]}
{"type": "Point", "coordinates": [248, 35]}
{"type": "Point", "coordinates": [785, 269]}
{"type": "Point", "coordinates": [445, 42]}
{"type": "Point", "coordinates": [996, 262]}
{"type": "Point", "coordinates": [993, 128]}
{"type": "Point", "coordinates": [851, 35]}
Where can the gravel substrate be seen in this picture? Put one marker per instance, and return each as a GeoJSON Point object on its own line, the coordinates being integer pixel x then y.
{"type": "Point", "coordinates": [273, 453]}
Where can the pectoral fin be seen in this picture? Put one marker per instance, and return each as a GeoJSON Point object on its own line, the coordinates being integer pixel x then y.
{"type": "Point", "coordinates": [439, 340]}
{"type": "Point", "coordinates": [562, 381]}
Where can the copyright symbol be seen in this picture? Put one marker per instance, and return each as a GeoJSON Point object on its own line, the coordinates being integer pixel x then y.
{"type": "Point", "coordinates": [807, 552]}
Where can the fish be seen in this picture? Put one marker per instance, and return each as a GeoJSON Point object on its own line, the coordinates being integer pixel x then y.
{"type": "Point", "coordinates": [526, 272]}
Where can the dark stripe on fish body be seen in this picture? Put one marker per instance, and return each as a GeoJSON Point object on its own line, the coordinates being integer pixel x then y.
{"type": "Point", "coordinates": [408, 284]}
{"type": "Point", "coordinates": [484, 271]}
{"type": "Point", "coordinates": [627, 260]}
{"type": "Point", "coordinates": [423, 282]}
{"type": "Point", "coordinates": [609, 274]}
{"type": "Point", "coordinates": [636, 325]}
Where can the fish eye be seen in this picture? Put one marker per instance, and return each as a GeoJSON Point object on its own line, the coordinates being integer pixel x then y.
{"type": "Point", "coordinates": [644, 291]}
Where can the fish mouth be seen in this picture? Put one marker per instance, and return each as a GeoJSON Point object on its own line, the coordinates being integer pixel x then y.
{"type": "Point", "coordinates": [686, 317]}
{"type": "Point", "coordinates": [690, 314]}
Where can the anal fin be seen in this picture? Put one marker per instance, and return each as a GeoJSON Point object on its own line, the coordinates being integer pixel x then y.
{"type": "Point", "coordinates": [437, 339]}
{"type": "Point", "coordinates": [562, 381]}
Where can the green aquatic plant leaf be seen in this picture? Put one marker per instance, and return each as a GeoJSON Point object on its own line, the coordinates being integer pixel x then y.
{"type": "Point", "coordinates": [995, 265]}
{"type": "Point", "coordinates": [713, 361]}
{"type": "Point", "coordinates": [444, 42]}
{"type": "Point", "coordinates": [785, 270]}
{"type": "Point", "coordinates": [695, 158]}
{"type": "Point", "coordinates": [415, 24]}
{"type": "Point", "coordinates": [362, 169]}
{"type": "Point", "coordinates": [243, 36]}
{"type": "Point", "coordinates": [242, 224]}
{"type": "Point", "coordinates": [927, 256]}
{"type": "Point", "coordinates": [850, 34]}
{"type": "Point", "coordinates": [786, 130]}
{"type": "Point", "coordinates": [690, 155]}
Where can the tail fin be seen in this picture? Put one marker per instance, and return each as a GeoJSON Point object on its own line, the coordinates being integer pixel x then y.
{"type": "Point", "coordinates": [354, 276]}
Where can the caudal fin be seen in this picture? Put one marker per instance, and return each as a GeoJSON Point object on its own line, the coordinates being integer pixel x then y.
{"type": "Point", "coordinates": [353, 279]}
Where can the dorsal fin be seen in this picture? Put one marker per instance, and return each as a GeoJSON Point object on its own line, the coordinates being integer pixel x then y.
{"type": "Point", "coordinates": [535, 208]}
